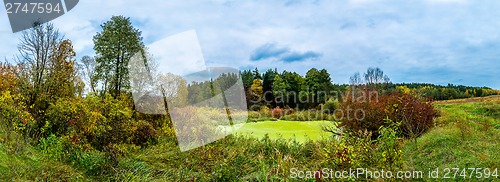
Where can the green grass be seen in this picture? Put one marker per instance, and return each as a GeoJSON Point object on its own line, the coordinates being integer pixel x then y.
{"type": "Point", "coordinates": [300, 131]}
{"type": "Point", "coordinates": [33, 166]}
{"type": "Point", "coordinates": [464, 138]}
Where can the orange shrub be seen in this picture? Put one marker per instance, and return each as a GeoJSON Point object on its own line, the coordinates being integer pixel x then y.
{"type": "Point", "coordinates": [415, 115]}
{"type": "Point", "coordinates": [277, 112]}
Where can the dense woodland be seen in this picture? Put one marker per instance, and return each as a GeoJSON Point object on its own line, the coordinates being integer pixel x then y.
{"type": "Point", "coordinates": [81, 112]}
{"type": "Point", "coordinates": [316, 81]}
{"type": "Point", "coordinates": [272, 88]}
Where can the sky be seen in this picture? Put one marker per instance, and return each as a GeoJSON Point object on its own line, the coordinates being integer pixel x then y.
{"type": "Point", "coordinates": [431, 41]}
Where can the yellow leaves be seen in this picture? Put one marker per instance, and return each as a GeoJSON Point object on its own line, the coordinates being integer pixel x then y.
{"type": "Point", "coordinates": [403, 89]}
{"type": "Point", "coordinates": [8, 80]}
{"type": "Point", "coordinates": [14, 111]}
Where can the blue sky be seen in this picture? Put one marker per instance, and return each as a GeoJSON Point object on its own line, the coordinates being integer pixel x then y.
{"type": "Point", "coordinates": [434, 41]}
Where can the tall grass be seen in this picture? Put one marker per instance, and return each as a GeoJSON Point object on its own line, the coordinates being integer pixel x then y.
{"type": "Point", "coordinates": [465, 138]}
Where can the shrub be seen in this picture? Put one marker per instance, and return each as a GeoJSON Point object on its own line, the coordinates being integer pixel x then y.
{"type": "Point", "coordinates": [16, 123]}
{"type": "Point", "coordinates": [415, 115]}
{"type": "Point", "coordinates": [96, 121]}
{"type": "Point", "coordinates": [53, 147]}
{"type": "Point", "coordinates": [195, 128]}
{"type": "Point", "coordinates": [253, 115]}
{"type": "Point", "coordinates": [264, 112]}
{"type": "Point", "coordinates": [389, 146]}
{"type": "Point", "coordinates": [13, 113]}
{"type": "Point", "coordinates": [143, 133]}
{"type": "Point", "coordinates": [216, 114]}
{"type": "Point", "coordinates": [330, 106]}
{"type": "Point", "coordinates": [65, 114]}
{"type": "Point", "coordinates": [8, 80]}
{"type": "Point", "coordinates": [277, 112]}
{"type": "Point", "coordinates": [287, 110]}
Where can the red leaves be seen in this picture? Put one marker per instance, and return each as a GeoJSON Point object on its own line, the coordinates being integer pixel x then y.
{"type": "Point", "coordinates": [415, 115]}
{"type": "Point", "coordinates": [277, 112]}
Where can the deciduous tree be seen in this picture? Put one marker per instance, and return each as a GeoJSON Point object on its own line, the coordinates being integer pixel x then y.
{"type": "Point", "coordinates": [375, 76]}
{"type": "Point", "coordinates": [115, 46]}
{"type": "Point", "coordinates": [35, 51]}
{"type": "Point", "coordinates": [89, 72]}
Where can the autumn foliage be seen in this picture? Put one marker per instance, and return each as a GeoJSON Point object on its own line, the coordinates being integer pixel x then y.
{"type": "Point", "coordinates": [8, 80]}
{"type": "Point", "coordinates": [415, 115]}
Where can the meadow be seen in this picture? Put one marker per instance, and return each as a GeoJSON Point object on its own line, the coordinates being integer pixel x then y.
{"type": "Point", "coordinates": [296, 130]}
{"type": "Point", "coordinates": [467, 135]}
{"type": "Point", "coordinates": [109, 117]}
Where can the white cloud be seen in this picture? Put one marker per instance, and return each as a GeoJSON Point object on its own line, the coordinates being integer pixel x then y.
{"type": "Point", "coordinates": [351, 35]}
{"type": "Point", "coordinates": [179, 54]}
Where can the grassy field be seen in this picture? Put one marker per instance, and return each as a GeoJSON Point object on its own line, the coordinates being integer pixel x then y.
{"type": "Point", "coordinates": [300, 131]}
{"type": "Point", "coordinates": [467, 136]}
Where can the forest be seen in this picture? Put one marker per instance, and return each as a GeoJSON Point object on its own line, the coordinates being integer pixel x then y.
{"type": "Point", "coordinates": [63, 119]}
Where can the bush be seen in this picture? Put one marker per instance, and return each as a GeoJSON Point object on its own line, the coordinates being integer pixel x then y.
{"type": "Point", "coordinates": [264, 112]}
{"type": "Point", "coordinates": [389, 146]}
{"type": "Point", "coordinates": [96, 121]}
{"type": "Point", "coordinates": [14, 115]}
{"type": "Point", "coordinates": [8, 77]}
{"type": "Point", "coordinates": [53, 147]}
{"type": "Point", "coordinates": [195, 128]}
{"type": "Point", "coordinates": [330, 106]}
{"type": "Point", "coordinates": [277, 112]}
{"type": "Point", "coordinates": [143, 133]}
{"type": "Point", "coordinates": [287, 110]}
{"type": "Point", "coordinates": [253, 115]}
{"type": "Point", "coordinates": [415, 115]}
{"type": "Point", "coordinates": [16, 123]}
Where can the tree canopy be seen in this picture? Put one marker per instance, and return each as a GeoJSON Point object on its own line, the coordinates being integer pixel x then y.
{"type": "Point", "coordinates": [115, 45]}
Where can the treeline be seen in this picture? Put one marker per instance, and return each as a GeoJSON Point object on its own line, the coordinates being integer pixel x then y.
{"type": "Point", "coordinates": [290, 89]}
{"type": "Point", "coordinates": [272, 88]}
{"type": "Point", "coordinates": [448, 92]}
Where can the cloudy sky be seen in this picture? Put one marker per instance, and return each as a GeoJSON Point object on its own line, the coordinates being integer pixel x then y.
{"type": "Point", "coordinates": [435, 41]}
